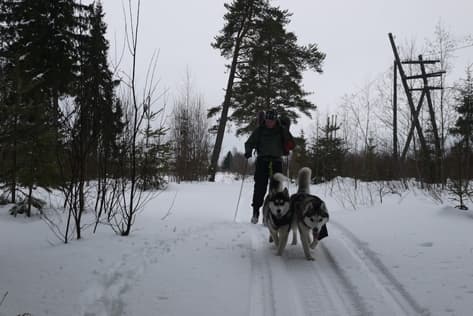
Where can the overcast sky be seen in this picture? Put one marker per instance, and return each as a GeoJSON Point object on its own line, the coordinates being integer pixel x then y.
{"type": "Point", "coordinates": [353, 34]}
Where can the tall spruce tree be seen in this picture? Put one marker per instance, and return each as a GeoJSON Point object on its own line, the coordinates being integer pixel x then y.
{"type": "Point", "coordinates": [45, 42]}
{"type": "Point", "coordinates": [6, 120]}
{"type": "Point", "coordinates": [97, 86]}
{"type": "Point", "coordinates": [8, 98]}
{"type": "Point", "coordinates": [327, 152]}
{"type": "Point", "coordinates": [99, 113]}
{"type": "Point", "coordinates": [462, 150]}
{"type": "Point", "coordinates": [464, 125]}
{"type": "Point", "coordinates": [36, 36]}
{"type": "Point", "coordinates": [94, 123]}
{"type": "Point", "coordinates": [227, 161]}
{"type": "Point", "coordinates": [105, 110]}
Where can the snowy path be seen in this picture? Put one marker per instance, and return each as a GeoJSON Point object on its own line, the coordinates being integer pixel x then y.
{"type": "Point", "coordinates": [192, 259]}
{"type": "Point", "coordinates": [216, 276]}
{"type": "Point", "coordinates": [202, 263]}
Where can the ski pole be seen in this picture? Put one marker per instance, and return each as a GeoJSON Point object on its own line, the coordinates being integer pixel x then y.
{"type": "Point", "coordinates": [241, 189]}
{"type": "Point", "coordinates": [287, 172]}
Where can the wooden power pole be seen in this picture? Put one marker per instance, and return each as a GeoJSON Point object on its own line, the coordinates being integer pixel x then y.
{"type": "Point", "coordinates": [415, 110]}
{"type": "Point", "coordinates": [395, 139]}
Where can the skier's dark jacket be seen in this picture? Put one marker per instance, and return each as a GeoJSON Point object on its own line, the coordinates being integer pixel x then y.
{"type": "Point", "coordinates": [270, 142]}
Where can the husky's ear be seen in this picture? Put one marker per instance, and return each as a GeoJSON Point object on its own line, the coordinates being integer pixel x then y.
{"type": "Point", "coordinates": [307, 207]}
{"type": "Point", "coordinates": [324, 210]}
{"type": "Point", "coordinates": [285, 192]}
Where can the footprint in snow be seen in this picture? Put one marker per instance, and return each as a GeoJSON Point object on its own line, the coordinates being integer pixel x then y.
{"type": "Point", "coordinates": [426, 244]}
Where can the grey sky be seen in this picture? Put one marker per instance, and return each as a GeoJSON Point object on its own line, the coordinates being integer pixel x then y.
{"type": "Point", "coordinates": [353, 34]}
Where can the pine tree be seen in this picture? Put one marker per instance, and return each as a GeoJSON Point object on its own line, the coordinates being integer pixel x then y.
{"type": "Point", "coordinates": [300, 155]}
{"type": "Point", "coordinates": [155, 153]}
{"type": "Point", "coordinates": [327, 153]}
{"type": "Point", "coordinates": [272, 77]}
{"type": "Point", "coordinates": [265, 70]}
{"type": "Point", "coordinates": [233, 42]}
{"type": "Point", "coordinates": [227, 161]}
{"type": "Point", "coordinates": [462, 149]}
{"type": "Point", "coordinates": [464, 125]}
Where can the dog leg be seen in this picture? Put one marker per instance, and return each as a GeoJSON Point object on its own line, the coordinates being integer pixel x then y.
{"type": "Point", "coordinates": [304, 233]}
{"type": "Point", "coordinates": [315, 235]}
{"type": "Point", "coordinates": [283, 236]}
{"type": "Point", "coordinates": [294, 233]}
{"type": "Point", "coordinates": [294, 237]}
{"type": "Point", "coordinates": [274, 235]}
{"type": "Point", "coordinates": [314, 244]}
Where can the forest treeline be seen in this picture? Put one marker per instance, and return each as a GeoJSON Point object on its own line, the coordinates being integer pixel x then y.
{"type": "Point", "coordinates": [69, 121]}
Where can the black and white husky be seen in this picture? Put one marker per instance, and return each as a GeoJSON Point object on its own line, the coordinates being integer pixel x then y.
{"type": "Point", "coordinates": [277, 215]}
{"type": "Point", "coordinates": [310, 214]}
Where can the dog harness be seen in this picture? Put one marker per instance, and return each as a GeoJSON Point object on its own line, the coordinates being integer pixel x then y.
{"type": "Point", "coordinates": [278, 222]}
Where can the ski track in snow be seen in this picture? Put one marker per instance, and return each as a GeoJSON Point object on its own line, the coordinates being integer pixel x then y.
{"type": "Point", "coordinates": [399, 300]}
{"type": "Point", "coordinates": [262, 288]}
{"type": "Point", "coordinates": [291, 285]}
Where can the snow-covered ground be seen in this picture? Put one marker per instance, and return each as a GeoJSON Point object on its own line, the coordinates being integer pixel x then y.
{"type": "Point", "coordinates": [186, 256]}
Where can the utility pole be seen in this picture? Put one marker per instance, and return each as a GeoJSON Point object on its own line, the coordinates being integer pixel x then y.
{"type": "Point", "coordinates": [425, 94]}
{"type": "Point", "coordinates": [395, 140]}
{"type": "Point", "coordinates": [433, 121]}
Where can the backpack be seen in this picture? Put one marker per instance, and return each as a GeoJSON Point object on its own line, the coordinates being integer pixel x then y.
{"type": "Point", "coordinates": [288, 140]}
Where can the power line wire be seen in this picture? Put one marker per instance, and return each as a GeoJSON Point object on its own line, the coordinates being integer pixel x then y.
{"type": "Point", "coordinates": [451, 50]}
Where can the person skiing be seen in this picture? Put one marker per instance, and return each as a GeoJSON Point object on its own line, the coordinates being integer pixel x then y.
{"type": "Point", "coordinates": [272, 140]}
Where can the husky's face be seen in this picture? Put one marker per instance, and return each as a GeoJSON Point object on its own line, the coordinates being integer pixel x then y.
{"type": "Point", "coordinates": [315, 215]}
{"type": "Point", "coordinates": [279, 204]}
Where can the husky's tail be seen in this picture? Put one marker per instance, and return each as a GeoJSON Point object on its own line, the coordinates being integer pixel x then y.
{"type": "Point", "coordinates": [303, 180]}
{"type": "Point", "coordinates": [277, 182]}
